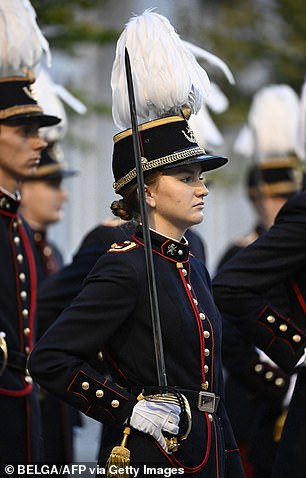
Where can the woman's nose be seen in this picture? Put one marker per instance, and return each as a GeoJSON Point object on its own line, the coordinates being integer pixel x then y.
{"type": "Point", "coordinates": [202, 190]}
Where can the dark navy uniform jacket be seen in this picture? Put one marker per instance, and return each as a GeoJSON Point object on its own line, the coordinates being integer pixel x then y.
{"type": "Point", "coordinates": [278, 257]}
{"type": "Point", "coordinates": [19, 410]}
{"type": "Point", "coordinates": [108, 325]}
{"type": "Point", "coordinates": [254, 387]}
{"type": "Point", "coordinates": [57, 291]}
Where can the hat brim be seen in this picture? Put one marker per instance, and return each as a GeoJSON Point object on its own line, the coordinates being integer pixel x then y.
{"type": "Point", "coordinates": [207, 162]}
{"type": "Point", "coordinates": [44, 120]}
{"type": "Point", "coordinates": [56, 176]}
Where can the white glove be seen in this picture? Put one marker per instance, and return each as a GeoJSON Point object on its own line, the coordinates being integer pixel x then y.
{"type": "Point", "coordinates": [154, 418]}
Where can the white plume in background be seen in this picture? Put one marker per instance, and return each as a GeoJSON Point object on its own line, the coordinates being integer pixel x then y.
{"type": "Point", "coordinates": [272, 128]}
{"type": "Point", "coordinates": [207, 134]}
{"type": "Point", "coordinates": [44, 89]}
{"type": "Point", "coordinates": [216, 101]}
{"type": "Point", "coordinates": [301, 147]}
{"type": "Point", "coordinates": [204, 128]}
{"type": "Point", "coordinates": [70, 99]}
{"type": "Point", "coordinates": [165, 73]}
{"type": "Point", "coordinates": [49, 96]}
{"type": "Point", "coordinates": [22, 43]}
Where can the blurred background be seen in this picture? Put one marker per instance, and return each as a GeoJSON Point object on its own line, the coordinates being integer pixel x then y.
{"type": "Point", "coordinates": [262, 41]}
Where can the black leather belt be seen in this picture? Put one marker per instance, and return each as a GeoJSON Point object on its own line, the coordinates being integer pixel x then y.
{"type": "Point", "coordinates": [16, 360]}
{"type": "Point", "coordinates": [198, 400]}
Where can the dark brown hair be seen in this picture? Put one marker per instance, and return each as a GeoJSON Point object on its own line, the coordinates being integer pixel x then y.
{"type": "Point", "coordinates": [128, 207]}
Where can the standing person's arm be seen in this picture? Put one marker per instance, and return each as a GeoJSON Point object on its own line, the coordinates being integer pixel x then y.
{"type": "Point", "coordinates": [240, 287]}
{"type": "Point", "coordinates": [58, 291]}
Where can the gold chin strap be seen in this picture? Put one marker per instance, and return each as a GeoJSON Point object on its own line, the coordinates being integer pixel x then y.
{"type": "Point", "coordinates": [3, 348]}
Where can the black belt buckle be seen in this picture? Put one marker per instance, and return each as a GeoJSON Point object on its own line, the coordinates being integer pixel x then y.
{"type": "Point", "coordinates": [207, 402]}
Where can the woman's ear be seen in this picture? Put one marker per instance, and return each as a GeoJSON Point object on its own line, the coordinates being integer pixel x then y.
{"type": "Point", "coordinates": [149, 196]}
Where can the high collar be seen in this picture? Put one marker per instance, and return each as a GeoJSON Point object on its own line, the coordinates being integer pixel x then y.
{"type": "Point", "coordinates": [167, 247]}
{"type": "Point", "coordinates": [8, 202]}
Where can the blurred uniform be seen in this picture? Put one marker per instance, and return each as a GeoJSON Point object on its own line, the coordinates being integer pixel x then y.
{"type": "Point", "coordinates": [255, 386]}
{"type": "Point", "coordinates": [20, 149]}
{"type": "Point", "coordinates": [43, 198]}
{"type": "Point", "coordinates": [277, 257]}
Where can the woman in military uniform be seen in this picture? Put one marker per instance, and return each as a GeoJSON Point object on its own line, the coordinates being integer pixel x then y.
{"type": "Point", "coordinates": [107, 330]}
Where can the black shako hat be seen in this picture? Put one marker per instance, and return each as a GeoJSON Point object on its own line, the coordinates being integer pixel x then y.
{"type": "Point", "coordinates": [17, 102]}
{"type": "Point", "coordinates": [49, 168]}
{"type": "Point", "coordinates": [165, 143]}
{"type": "Point", "coordinates": [278, 177]}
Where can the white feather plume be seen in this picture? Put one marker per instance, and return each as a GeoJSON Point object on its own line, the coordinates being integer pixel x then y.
{"type": "Point", "coordinates": [216, 100]}
{"type": "Point", "coordinates": [206, 132]}
{"type": "Point", "coordinates": [50, 96]}
{"type": "Point", "coordinates": [166, 75]}
{"type": "Point", "coordinates": [272, 123]}
{"type": "Point", "coordinates": [44, 89]}
{"type": "Point", "coordinates": [22, 43]}
{"type": "Point", "coordinates": [70, 99]}
{"type": "Point", "coordinates": [214, 60]}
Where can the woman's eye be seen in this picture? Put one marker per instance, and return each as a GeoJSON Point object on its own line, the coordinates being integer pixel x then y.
{"type": "Point", "coordinates": [187, 179]}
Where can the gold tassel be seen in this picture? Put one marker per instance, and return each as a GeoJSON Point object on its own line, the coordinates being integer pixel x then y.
{"type": "Point", "coordinates": [279, 425]}
{"type": "Point", "coordinates": [119, 458]}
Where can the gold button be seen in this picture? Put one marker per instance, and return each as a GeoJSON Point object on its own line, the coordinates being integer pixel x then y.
{"type": "Point", "coordinates": [99, 393]}
{"type": "Point", "coordinates": [20, 258]}
{"type": "Point", "coordinates": [258, 368]}
{"type": "Point", "coordinates": [115, 403]}
{"type": "Point", "coordinates": [279, 382]}
{"type": "Point", "coordinates": [195, 301]}
{"type": "Point", "coordinates": [23, 295]}
{"type": "Point", "coordinates": [85, 385]}
{"type": "Point", "coordinates": [37, 236]}
{"type": "Point", "coordinates": [17, 240]}
{"type": "Point", "coordinates": [271, 319]}
{"type": "Point", "coordinates": [25, 313]}
{"type": "Point", "coordinates": [28, 379]}
{"type": "Point", "coordinates": [204, 386]}
{"type": "Point", "coordinates": [206, 352]}
{"type": "Point", "coordinates": [189, 286]}
{"type": "Point", "coordinates": [22, 276]}
{"type": "Point", "coordinates": [210, 417]}
{"type": "Point", "coordinates": [184, 272]}
{"type": "Point", "coordinates": [206, 368]}
{"type": "Point", "coordinates": [296, 338]}
{"type": "Point", "coordinates": [27, 350]}
{"type": "Point", "coordinates": [100, 355]}
{"type": "Point", "coordinates": [206, 334]}
{"type": "Point", "coordinates": [47, 251]}
{"type": "Point", "coordinates": [27, 331]}
{"type": "Point", "coordinates": [202, 316]}
{"type": "Point", "coordinates": [269, 375]}
{"type": "Point", "coordinates": [283, 327]}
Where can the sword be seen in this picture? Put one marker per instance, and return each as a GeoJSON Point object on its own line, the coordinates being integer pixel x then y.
{"type": "Point", "coordinates": [153, 298]}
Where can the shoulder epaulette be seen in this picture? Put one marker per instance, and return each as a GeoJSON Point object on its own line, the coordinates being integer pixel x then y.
{"type": "Point", "coordinates": [122, 247]}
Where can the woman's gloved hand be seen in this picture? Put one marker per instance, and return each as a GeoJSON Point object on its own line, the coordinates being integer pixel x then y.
{"type": "Point", "coordinates": [154, 418]}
